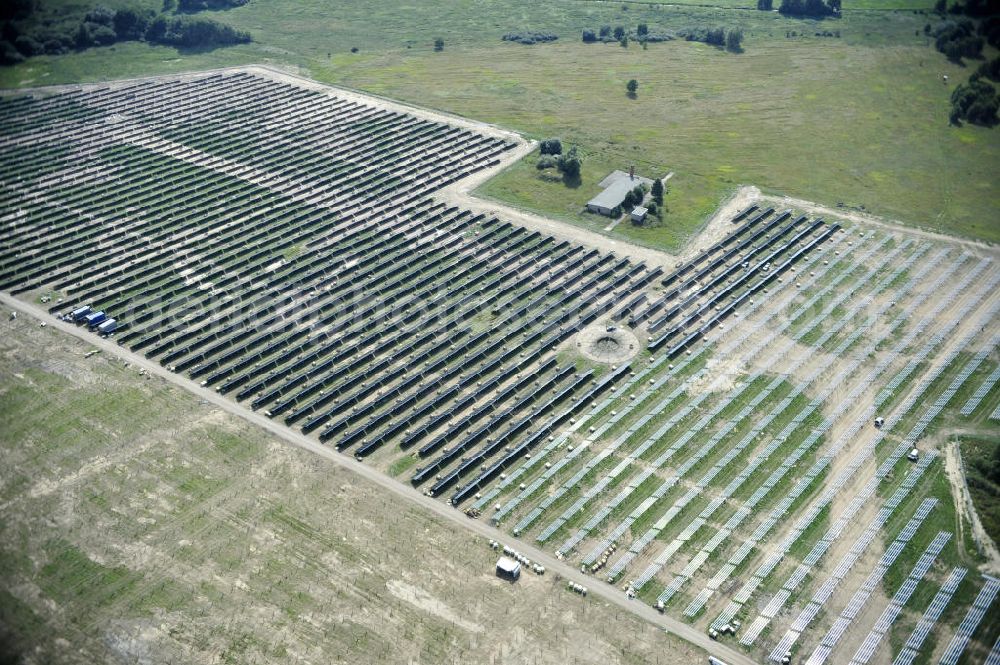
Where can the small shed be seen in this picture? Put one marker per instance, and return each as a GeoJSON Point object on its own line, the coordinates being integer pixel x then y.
{"type": "Point", "coordinates": [508, 569]}
{"type": "Point", "coordinates": [639, 215]}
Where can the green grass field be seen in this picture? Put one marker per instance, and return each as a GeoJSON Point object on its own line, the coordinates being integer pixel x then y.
{"type": "Point", "coordinates": [814, 119]}
{"type": "Point", "coordinates": [860, 119]}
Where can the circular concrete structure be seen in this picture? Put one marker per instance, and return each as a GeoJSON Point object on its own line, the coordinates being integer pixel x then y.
{"type": "Point", "coordinates": [611, 345]}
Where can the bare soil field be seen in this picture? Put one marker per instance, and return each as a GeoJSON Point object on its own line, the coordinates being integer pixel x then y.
{"type": "Point", "coordinates": [142, 525]}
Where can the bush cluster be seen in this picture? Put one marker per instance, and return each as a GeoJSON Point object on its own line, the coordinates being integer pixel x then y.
{"type": "Point", "coordinates": [990, 70]}
{"type": "Point", "coordinates": [607, 34]}
{"type": "Point", "coordinates": [654, 37]}
{"type": "Point", "coordinates": [989, 28]}
{"type": "Point", "coordinates": [634, 197]}
{"type": "Point", "coordinates": [731, 39]}
{"type": "Point", "coordinates": [550, 147]}
{"type": "Point", "coordinates": [570, 163]}
{"type": "Point", "coordinates": [975, 102]}
{"type": "Point", "coordinates": [529, 38]}
{"type": "Point", "coordinates": [975, 8]}
{"type": "Point", "coordinates": [619, 34]}
{"type": "Point", "coordinates": [986, 12]}
{"type": "Point", "coordinates": [813, 8]}
{"type": "Point", "coordinates": [958, 40]}
{"type": "Point", "coordinates": [190, 32]}
{"type": "Point", "coordinates": [552, 157]}
{"type": "Point", "coordinates": [202, 5]}
{"type": "Point", "coordinates": [546, 162]}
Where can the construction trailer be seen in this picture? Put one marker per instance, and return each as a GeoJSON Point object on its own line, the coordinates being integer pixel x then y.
{"type": "Point", "coordinates": [77, 314]}
{"type": "Point", "coordinates": [508, 569]}
{"type": "Point", "coordinates": [94, 319]}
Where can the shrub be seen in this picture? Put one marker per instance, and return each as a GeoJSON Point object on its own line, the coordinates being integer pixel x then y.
{"type": "Point", "coordinates": [642, 30]}
{"type": "Point", "coordinates": [765, 5]}
{"type": "Point", "coordinates": [546, 162]}
{"type": "Point", "coordinates": [957, 40]}
{"type": "Point", "coordinates": [734, 40]}
{"type": "Point", "coordinates": [589, 37]}
{"type": "Point", "coordinates": [56, 43]}
{"type": "Point", "coordinates": [28, 45]}
{"type": "Point", "coordinates": [632, 86]}
{"type": "Point", "coordinates": [605, 31]}
{"type": "Point", "coordinates": [157, 30]}
{"type": "Point", "coordinates": [619, 32]}
{"type": "Point", "coordinates": [570, 167]}
{"type": "Point", "coordinates": [82, 39]}
{"type": "Point", "coordinates": [9, 55]}
{"type": "Point", "coordinates": [974, 7]}
{"type": "Point", "coordinates": [657, 37]}
{"type": "Point", "coordinates": [657, 190]}
{"type": "Point", "coordinates": [990, 69]}
{"type": "Point", "coordinates": [569, 164]}
{"type": "Point", "coordinates": [438, 44]}
{"type": "Point", "coordinates": [550, 147]}
{"type": "Point", "coordinates": [100, 15]}
{"type": "Point", "coordinates": [102, 35]}
{"type": "Point", "coordinates": [989, 28]}
{"type": "Point", "coordinates": [132, 24]}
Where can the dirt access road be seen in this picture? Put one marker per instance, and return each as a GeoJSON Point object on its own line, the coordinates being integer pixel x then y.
{"type": "Point", "coordinates": [608, 593]}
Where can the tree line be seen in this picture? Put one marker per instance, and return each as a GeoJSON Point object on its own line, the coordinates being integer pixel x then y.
{"type": "Point", "coordinates": [975, 24]}
{"type": "Point", "coordinates": [23, 36]}
{"type": "Point", "coordinates": [983, 477]}
{"type": "Point", "coordinates": [202, 5]}
{"type": "Point", "coordinates": [731, 39]}
{"type": "Point", "coordinates": [811, 8]}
